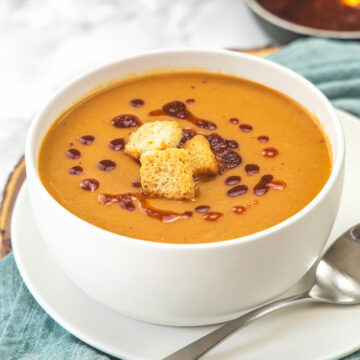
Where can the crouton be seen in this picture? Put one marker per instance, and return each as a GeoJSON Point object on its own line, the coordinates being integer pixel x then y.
{"type": "Point", "coordinates": [167, 173]}
{"type": "Point", "coordinates": [202, 159]}
{"type": "Point", "coordinates": [157, 135]}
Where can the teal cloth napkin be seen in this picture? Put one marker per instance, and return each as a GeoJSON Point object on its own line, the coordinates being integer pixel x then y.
{"type": "Point", "coordinates": [28, 333]}
{"type": "Point", "coordinates": [333, 66]}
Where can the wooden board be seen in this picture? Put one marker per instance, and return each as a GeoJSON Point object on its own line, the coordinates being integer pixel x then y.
{"type": "Point", "coordinates": [10, 193]}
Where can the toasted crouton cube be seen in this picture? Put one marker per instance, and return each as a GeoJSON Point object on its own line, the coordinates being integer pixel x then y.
{"type": "Point", "coordinates": [167, 173]}
{"type": "Point", "coordinates": [202, 158]}
{"type": "Point", "coordinates": [157, 135]}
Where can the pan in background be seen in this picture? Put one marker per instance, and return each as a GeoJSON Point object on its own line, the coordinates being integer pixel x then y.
{"type": "Point", "coordinates": [283, 31]}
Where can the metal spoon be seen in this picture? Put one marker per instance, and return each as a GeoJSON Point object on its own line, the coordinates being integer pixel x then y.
{"type": "Point", "coordinates": [337, 281]}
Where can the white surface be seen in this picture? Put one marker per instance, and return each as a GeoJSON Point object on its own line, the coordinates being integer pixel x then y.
{"type": "Point", "coordinates": [47, 42]}
{"type": "Point", "coordinates": [173, 284]}
{"type": "Point", "coordinates": [311, 332]}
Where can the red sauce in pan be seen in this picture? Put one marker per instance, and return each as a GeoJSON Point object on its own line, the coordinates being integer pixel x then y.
{"type": "Point", "coordinates": [337, 15]}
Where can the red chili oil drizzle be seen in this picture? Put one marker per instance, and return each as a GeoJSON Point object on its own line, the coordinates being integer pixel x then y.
{"type": "Point", "coordinates": [269, 152]}
{"type": "Point", "coordinates": [125, 201]}
{"type": "Point", "coordinates": [87, 139]}
{"type": "Point", "coordinates": [136, 184]}
{"type": "Point", "coordinates": [188, 134]}
{"type": "Point", "coordinates": [212, 216]}
{"type": "Point", "coordinates": [126, 121]}
{"type": "Point", "coordinates": [245, 128]}
{"type": "Point", "coordinates": [106, 165]}
{"type": "Point", "coordinates": [127, 205]}
{"type": "Point", "coordinates": [117, 144]}
{"type": "Point", "coordinates": [237, 191]}
{"type": "Point", "coordinates": [225, 156]}
{"type": "Point", "coordinates": [239, 209]}
{"type": "Point", "coordinates": [267, 182]}
{"type": "Point", "coordinates": [261, 188]}
{"type": "Point", "coordinates": [73, 154]}
{"type": "Point", "coordinates": [76, 170]}
{"type": "Point", "coordinates": [252, 169]}
{"type": "Point", "coordinates": [178, 109]}
{"type": "Point", "coordinates": [232, 144]}
{"type": "Point", "coordinates": [277, 185]}
{"type": "Point", "coordinates": [89, 184]}
{"type": "Point", "coordinates": [263, 139]}
{"type": "Point", "coordinates": [232, 180]}
{"type": "Point", "coordinates": [202, 209]}
{"type": "Point", "coordinates": [136, 103]}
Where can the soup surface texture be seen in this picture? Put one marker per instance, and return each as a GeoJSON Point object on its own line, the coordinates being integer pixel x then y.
{"type": "Point", "coordinates": [284, 157]}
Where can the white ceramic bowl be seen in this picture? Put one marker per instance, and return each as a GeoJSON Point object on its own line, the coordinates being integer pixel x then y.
{"type": "Point", "coordinates": [194, 284]}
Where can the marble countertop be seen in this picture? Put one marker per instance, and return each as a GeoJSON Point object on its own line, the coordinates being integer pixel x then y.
{"type": "Point", "coordinates": [45, 43]}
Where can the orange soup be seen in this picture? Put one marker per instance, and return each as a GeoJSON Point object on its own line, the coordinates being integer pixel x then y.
{"type": "Point", "coordinates": [273, 157]}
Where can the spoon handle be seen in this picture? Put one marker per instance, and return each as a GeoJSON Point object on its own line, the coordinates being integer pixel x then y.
{"type": "Point", "coordinates": [201, 346]}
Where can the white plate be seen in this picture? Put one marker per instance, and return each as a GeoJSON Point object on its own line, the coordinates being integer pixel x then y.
{"type": "Point", "coordinates": [308, 331]}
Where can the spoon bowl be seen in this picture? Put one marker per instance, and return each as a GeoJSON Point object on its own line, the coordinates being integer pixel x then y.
{"type": "Point", "coordinates": [337, 277]}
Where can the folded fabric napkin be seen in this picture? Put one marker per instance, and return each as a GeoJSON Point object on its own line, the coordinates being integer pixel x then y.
{"type": "Point", "coordinates": [333, 66]}
{"type": "Point", "coordinates": [27, 332]}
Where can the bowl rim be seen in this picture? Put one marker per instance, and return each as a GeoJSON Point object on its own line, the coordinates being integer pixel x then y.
{"type": "Point", "coordinates": [297, 28]}
{"type": "Point", "coordinates": [32, 169]}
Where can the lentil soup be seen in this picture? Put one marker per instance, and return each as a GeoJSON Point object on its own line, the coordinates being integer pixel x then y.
{"type": "Point", "coordinates": [272, 154]}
